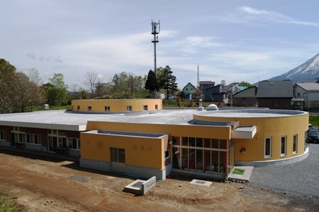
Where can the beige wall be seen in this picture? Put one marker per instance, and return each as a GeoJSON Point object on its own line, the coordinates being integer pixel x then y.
{"type": "Point", "coordinates": [116, 105]}
{"type": "Point", "coordinates": [199, 131]}
{"type": "Point", "coordinates": [273, 127]}
{"type": "Point", "coordinates": [146, 152]}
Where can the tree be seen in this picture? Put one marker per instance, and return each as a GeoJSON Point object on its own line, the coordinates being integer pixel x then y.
{"type": "Point", "coordinates": [151, 83]}
{"type": "Point", "coordinates": [74, 94]}
{"type": "Point", "coordinates": [37, 94]}
{"type": "Point", "coordinates": [168, 81]}
{"type": "Point", "coordinates": [57, 90]}
{"type": "Point", "coordinates": [91, 80]}
{"type": "Point", "coordinates": [23, 91]}
{"type": "Point", "coordinates": [7, 84]}
{"type": "Point", "coordinates": [247, 84]}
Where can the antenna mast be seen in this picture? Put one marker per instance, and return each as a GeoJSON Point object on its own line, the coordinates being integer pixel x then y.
{"type": "Point", "coordinates": [155, 32]}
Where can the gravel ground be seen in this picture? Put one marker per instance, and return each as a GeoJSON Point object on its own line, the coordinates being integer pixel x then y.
{"type": "Point", "coordinates": [300, 179]}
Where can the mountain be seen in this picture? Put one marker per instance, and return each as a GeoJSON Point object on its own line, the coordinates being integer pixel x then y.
{"type": "Point", "coordinates": [306, 72]}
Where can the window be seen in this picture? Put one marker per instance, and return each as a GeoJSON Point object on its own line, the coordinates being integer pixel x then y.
{"type": "Point", "coordinates": [298, 94]}
{"type": "Point", "coordinates": [275, 104]}
{"type": "Point", "coordinates": [118, 155]}
{"type": "Point", "coordinates": [295, 144]}
{"type": "Point", "coordinates": [29, 138]}
{"type": "Point", "coordinates": [73, 143]}
{"type": "Point", "coordinates": [283, 140]}
{"type": "Point", "coordinates": [156, 107]}
{"type": "Point", "coordinates": [21, 137]}
{"type": "Point", "coordinates": [78, 108]}
{"type": "Point", "coordinates": [2, 135]}
{"type": "Point", "coordinates": [107, 108]}
{"type": "Point", "coordinates": [145, 107]}
{"type": "Point", "coordinates": [268, 147]}
{"type": "Point", "coordinates": [128, 108]}
{"type": "Point", "coordinates": [90, 108]}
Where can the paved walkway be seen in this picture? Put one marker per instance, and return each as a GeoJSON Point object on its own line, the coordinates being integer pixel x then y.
{"type": "Point", "coordinates": [300, 178]}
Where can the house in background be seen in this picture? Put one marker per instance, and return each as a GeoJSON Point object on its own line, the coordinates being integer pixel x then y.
{"type": "Point", "coordinates": [204, 86]}
{"type": "Point", "coordinates": [275, 94]}
{"type": "Point", "coordinates": [188, 90]}
{"type": "Point", "coordinates": [215, 94]}
{"type": "Point", "coordinates": [246, 97]}
{"type": "Point", "coordinates": [307, 94]}
{"type": "Point", "coordinates": [239, 88]}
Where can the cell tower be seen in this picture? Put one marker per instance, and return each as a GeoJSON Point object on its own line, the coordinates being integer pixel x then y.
{"type": "Point", "coordinates": [155, 32]}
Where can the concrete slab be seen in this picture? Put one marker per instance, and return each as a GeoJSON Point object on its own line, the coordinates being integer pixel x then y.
{"type": "Point", "coordinates": [200, 182]}
{"type": "Point", "coordinates": [243, 177]}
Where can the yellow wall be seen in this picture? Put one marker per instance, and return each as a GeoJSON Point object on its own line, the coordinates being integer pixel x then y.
{"type": "Point", "coordinates": [273, 127]}
{"type": "Point", "coordinates": [116, 105]}
{"type": "Point", "coordinates": [218, 132]}
{"type": "Point", "coordinates": [152, 154]}
{"type": "Point", "coordinates": [146, 152]}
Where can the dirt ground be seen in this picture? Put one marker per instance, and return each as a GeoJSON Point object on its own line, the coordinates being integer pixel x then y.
{"type": "Point", "coordinates": [59, 185]}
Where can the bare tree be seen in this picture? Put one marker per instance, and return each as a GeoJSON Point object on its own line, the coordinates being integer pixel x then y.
{"type": "Point", "coordinates": [74, 91]}
{"type": "Point", "coordinates": [91, 80]}
{"type": "Point", "coordinates": [37, 96]}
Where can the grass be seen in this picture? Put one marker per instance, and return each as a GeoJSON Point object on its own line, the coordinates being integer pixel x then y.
{"type": "Point", "coordinates": [238, 171]}
{"type": "Point", "coordinates": [314, 119]}
{"type": "Point", "coordinates": [7, 204]}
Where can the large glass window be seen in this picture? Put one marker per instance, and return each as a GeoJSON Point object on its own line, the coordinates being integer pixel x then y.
{"type": "Point", "coordinates": [283, 141]}
{"type": "Point", "coordinates": [268, 147]}
{"type": "Point", "coordinates": [295, 144]}
{"type": "Point", "coordinates": [185, 141]}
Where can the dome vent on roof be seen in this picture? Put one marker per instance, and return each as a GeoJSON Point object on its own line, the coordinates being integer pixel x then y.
{"type": "Point", "coordinates": [212, 107]}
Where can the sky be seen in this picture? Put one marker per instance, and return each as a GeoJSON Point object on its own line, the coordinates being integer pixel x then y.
{"type": "Point", "coordinates": [233, 40]}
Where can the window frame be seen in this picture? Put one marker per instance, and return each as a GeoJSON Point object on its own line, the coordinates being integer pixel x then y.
{"type": "Point", "coordinates": [295, 144]}
{"type": "Point", "coordinates": [265, 147]}
{"type": "Point", "coordinates": [117, 155]}
{"type": "Point", "coordinates": [283, 146]}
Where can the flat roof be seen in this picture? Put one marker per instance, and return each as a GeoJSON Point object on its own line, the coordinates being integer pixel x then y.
{"type": "Point", "coordinates": [67, 120]}
{"type": "Point", "coordinates": [249, 113]}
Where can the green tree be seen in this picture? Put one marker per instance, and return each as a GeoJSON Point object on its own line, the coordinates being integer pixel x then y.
{"type": "Point", "coordinates": [247, 84]}
{"type": "Point", "coordinates": [23, 91]}
{"type": "Point", "coordinates": [7, 84]}
{"type": "Point", "coordinates": [57, 90]}
{"type": "Point", "coordinates": [151, 83]}
{"type": "Point", "coordinates": [167, 81]}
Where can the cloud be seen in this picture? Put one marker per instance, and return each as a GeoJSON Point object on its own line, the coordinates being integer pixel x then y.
{"type": "Point", "coordinates": [193, 44]}
{"type": "Point", "coordinates": [31, 56]}
{"type": "Point", "coordinates": [264, 15]}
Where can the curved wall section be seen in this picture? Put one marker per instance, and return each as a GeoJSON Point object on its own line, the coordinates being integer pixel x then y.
{"type": "Point", "coordinates": [116, 105]}
{"type": "Point", "coordinates": [280, 136]}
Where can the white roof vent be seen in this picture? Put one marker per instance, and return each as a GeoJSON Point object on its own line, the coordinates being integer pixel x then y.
{"type": "Point", "coordinates": [212, 107]}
